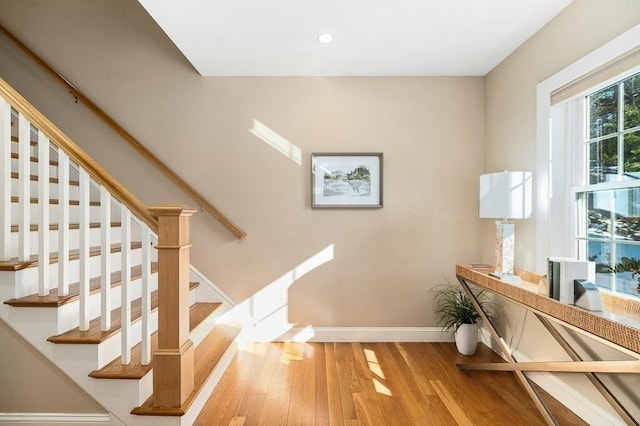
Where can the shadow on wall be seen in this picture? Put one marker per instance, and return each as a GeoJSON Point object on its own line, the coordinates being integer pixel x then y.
{"type": "Point", "coordinates": [265, 315]}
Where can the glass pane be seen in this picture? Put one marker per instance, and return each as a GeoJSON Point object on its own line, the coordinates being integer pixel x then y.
{"type": "Point", "coordinates": [603, 110]}
{"type": "Point", "coordinates": [627, 282]}
{"type": "Point", "coordinates": [599, 214]}
{"type": "Point", "coordinates": [627, 214]}
{"type": "Point", "coordinates": [603, 160]}
{"type": "Point", "coordinates": [632, 102]}
{"type": "Point", "coordinates": [632, 155]}
{"type": "Point", "coordinates": [600, 253]}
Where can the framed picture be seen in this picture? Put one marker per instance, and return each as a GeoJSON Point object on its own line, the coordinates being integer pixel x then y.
{"type": "Point", "coordinates": [352, 180]}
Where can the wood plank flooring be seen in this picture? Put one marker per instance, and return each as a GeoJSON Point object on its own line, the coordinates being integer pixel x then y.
{"type": "Point", "coordinates": [368, 384]}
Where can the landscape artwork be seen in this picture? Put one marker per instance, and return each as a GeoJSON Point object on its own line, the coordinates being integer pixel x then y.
{"type": "Point", "coordinates": [346, 180]}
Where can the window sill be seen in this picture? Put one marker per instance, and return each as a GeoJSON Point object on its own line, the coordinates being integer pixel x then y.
{"type": "Point", "coordinates": [619, 304]}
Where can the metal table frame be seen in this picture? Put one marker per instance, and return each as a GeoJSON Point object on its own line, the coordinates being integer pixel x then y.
{"type": "Point", "coordinates": [576, 365]}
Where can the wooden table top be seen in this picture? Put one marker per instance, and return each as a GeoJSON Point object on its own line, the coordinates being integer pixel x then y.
{"type": "Point", "coordinates": [612, 329]}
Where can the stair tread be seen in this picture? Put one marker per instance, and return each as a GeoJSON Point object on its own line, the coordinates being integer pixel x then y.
{"type": "Point", "coordinates": [94, 335]}
{"type": "Point", "coordinates": [53, 300]}
{"type": "Point", "coordinates": [16, 265]}
{"type": "Point", "coordinates": [207, 354]}
{"type": "Point", "coordinates": [16, 140]}
{"type": "Point", "coordinates": [16, 175]}
{"type": "Point", "coordinates": [55, 201]}
{"type": "Point", "coordinates": [55, 226]}
{"type": "Point", "coordinates": [135, 369]}
{"type": "Point", "coordinates": [33, 159]}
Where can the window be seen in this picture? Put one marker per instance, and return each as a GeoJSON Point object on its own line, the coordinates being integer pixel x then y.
{"type": "Point", "coordinates": [587, 179]}
{"type": "Point", "coordinates": [608, 202]}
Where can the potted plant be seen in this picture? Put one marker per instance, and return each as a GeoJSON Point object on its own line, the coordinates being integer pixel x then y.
{"type": "Point", "coordinates": [455, 311]}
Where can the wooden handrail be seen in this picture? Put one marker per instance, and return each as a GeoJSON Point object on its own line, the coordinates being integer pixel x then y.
{"type": "Point", "coordinates": [77, 154]}
{"type": "Point", "coordinates": [181, 183]}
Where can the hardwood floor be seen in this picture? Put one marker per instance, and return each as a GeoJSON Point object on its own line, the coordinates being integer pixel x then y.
{"type": "Point", "coordinates": [368, 384]}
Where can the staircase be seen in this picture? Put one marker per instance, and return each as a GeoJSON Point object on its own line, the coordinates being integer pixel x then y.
{"type": "Point", "coordinates": [83, 282]}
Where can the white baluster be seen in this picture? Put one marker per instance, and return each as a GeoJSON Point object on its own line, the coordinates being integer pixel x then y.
{"type": "Point", "coordinates": [146, 294]}
{"type": "Point", "coordinates": [5, 180]}
{"type": "Point", "coordinates": [43, 206]}
{"type": "Point", "coordinates": [24, 182]}
{"type": "Point", "coordinates": [84, 250]}
{"type": "Point", "coordinates": [125, 286]}
{"type": "Point", "coordinates": [63, 223]}
{"type": "Point", "coordinates": [105, 256]}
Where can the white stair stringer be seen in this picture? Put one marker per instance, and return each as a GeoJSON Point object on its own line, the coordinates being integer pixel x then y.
{"type": "Point", "coordinates": [118, 396]}
{"type": "Point", "coordinates": [212, 381]}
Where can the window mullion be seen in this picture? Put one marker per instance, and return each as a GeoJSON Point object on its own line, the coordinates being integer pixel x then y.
{"type": "Point", "coordinates": [621, 159]}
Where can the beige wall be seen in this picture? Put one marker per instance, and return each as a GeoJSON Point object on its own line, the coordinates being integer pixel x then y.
{"type": "Point", "coordinates": [437, 135]}
{"type": "Point", "coordinates": [21, 367]}
{"type": "Point", "coordinates": [510, 143]}
{"type": "Point", "coordinates": [510, 107]}
{"type": "Point", "coordinates": [429, 129]}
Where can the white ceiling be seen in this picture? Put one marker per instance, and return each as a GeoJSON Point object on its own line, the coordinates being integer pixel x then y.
{"type": "Point", "coordinates": [371, 37]}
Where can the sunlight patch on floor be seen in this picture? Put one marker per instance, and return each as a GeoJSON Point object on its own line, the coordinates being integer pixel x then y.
{"type": "Point", "coordinates": [372, 361]}
{"type": "Point", "coordinates": [252, 348]}
{"type": "Point", "coordinates": [291, 352]}
{"type": "Point", "coordinates": [376, 369]}
{"type": "Point", "coordinates": [380, 388]}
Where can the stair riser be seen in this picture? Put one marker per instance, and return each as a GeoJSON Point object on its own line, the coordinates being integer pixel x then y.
{"type": "Point", "coordinates": [40, 323]}
{"type": "Point", "coordinates": [25, 281]}
{"type": "Point", "coordinates": [99, 355]}
{"type": "Point", "coordinates": [53, 170]}
{"type": "Point", "coordinates": [113, 392]}
{"type": "Point", "coordinates": [111, 348]}
{"type": "Point", "coordinates": [92, 356]}
{"type": "Point", "coordinates": [74, 191]}
{"type": "Point", "coordinates": [33, 150]}
{"type": "Point", "coordinates": [74, 239]}
{"type": "Point", "coordinates": [19, 283]}
{"type": "Point", "coordinates": [68, 317]}
{"type": "Point", "coordinates": [94, 266]}
{"type": "Point", "coordinates": [54, 213]}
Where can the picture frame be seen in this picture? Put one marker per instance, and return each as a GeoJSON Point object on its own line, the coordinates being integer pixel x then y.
{"type": "Point", "coordinates": [346, 180]}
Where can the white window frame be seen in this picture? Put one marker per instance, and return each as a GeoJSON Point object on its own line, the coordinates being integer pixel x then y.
{"type": "Point", "coordinates": [565, 207]}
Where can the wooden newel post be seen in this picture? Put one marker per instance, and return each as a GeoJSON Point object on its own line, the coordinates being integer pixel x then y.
{"type": "Point", "coordinates": [173, 361]}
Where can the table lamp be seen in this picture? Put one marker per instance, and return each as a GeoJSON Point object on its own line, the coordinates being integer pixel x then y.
{"type": "Point", "coordinates": [505, 195]}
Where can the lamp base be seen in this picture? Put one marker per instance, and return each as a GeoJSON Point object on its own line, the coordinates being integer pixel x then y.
{"type": "Point", "coordinates": [505, 242]}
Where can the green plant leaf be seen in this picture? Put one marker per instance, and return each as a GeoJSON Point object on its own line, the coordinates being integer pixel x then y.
{"type": "Point", "coordinates": [454, 307]}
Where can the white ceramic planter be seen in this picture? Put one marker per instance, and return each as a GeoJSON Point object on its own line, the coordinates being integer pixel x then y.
{"type": "Point", "coordinates": [466, 339]}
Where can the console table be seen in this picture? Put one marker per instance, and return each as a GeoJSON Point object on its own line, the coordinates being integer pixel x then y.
{"type": "Point", "coordinates": [601, 326]}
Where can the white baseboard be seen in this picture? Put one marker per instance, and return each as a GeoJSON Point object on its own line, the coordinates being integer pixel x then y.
{"type": "Point", "coordinates": [366, 334]}
{"type": "Point", "coordinates": [33, 419]}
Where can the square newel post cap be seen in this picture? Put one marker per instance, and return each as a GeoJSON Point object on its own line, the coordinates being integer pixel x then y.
{"type": "Point", "coordinates": [178, 210]}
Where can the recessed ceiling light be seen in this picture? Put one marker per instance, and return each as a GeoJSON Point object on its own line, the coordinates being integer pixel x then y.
{"type": "Point", "coordinates": [325, 38]}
